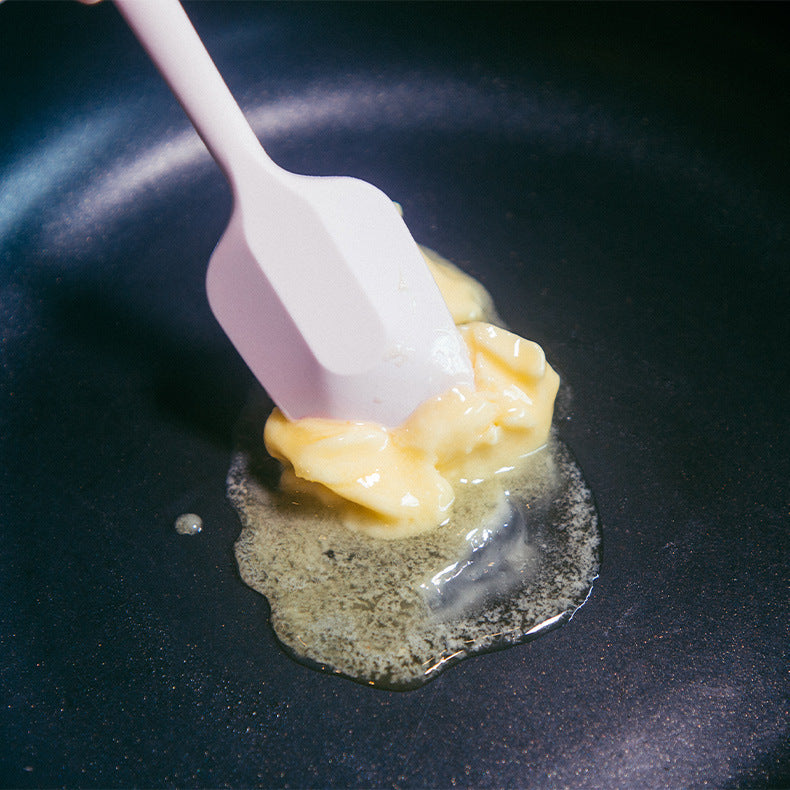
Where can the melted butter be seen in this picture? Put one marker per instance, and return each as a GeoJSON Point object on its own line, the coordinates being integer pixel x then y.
{"type": "Point", "coordinates": [465, 297]}
{"type": "Point", "coordinates": [517, 543]}
{"type": "Point", "coordinates": [394, 483]}
{"type": "Point", "coordinates": [188, 524]}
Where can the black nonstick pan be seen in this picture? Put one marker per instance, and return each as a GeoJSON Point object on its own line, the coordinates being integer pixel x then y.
{"type": "Point", "coordinates": [616, 175]}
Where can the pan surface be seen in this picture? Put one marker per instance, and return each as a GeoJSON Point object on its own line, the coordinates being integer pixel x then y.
{"type": "Point", "coordinates": [617, 176]}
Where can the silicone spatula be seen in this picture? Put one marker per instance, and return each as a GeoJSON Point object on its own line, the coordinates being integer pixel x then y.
{"type": "Point", "coordinates": [316, 281]}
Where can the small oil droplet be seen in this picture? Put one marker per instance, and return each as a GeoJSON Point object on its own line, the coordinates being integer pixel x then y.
{"type": "Point", "coordinates": [189, 524]}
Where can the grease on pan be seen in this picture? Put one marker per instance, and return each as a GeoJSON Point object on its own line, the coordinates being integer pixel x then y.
{"type": "Point", "coordinates": [517, 558]}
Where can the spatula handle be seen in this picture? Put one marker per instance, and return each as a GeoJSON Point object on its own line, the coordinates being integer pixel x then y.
{"type": "Point", "coordinates": [171, 41]}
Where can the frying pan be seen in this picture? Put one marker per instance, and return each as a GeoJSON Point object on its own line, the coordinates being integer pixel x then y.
{"type": "Point", "coordinates": [615, 175]}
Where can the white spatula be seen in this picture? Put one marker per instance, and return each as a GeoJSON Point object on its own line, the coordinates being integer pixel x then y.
{"type": "Point", "coordinates": [316, 281]}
